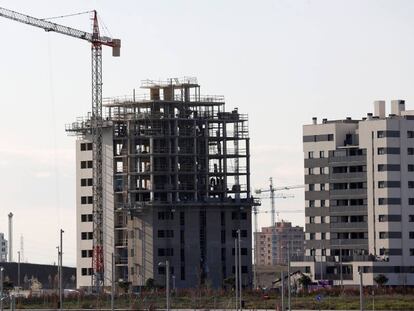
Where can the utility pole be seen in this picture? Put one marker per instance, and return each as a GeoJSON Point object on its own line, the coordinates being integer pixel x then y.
{"type": "Point", "coordinates": [288, 253]}
{"type": "Point", "coordinates": [240, 272]}
{"type": "Point", "coordinates": [113, 282]}
{"type": "Point", "coordinates": [321, 265]}
{"type": "Point", "coordinates": [61, 270]}
{"type": "Point", "coordinates": [340, 265]}
{"type": "Point", "coordinates": [18, 269]}
{"type": "Point", "coordinates": [282, 292]}
{"type": "Point", "coordinates": [361, 288]}
{"type": "Point", "coordinates": [167, 268]}
{"type": "Point", "coordinates": [236, 273]}
{"type": "Point", "coordinates": [1, 288]}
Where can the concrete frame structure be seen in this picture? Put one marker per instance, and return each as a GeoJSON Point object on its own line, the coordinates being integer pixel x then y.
{"type": "Point", "coordinates": [359, 177]}
{"type": "Point", "coordinates": [285, 236]}
{"type": "Point", "coordinates": [3, 248]}
{"type": "Point", "coordinates": [176, 187]}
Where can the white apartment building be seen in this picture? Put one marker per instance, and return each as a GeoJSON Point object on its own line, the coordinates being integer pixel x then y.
{"type": "Point", "coordinates": [3, 248]}
{"type": "Point", "coordinates": [359, 177]}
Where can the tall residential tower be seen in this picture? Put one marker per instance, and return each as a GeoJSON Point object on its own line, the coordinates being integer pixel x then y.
{"type": "Point", "coordinates": [359, 177]}
{"type": "Point", "coordinates": [176, 187]}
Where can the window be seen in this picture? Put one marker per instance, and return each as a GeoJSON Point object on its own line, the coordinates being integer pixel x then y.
{"type": "Point", "coordinates": [165, 252]}
{"type": "Point", "coordinates": [389, 201]}
{"type": "Point", "coordinates": [311, 203]}
{"type": "Point", "coordinates": [323, 170]}
{"type": "Point", "coordinates": [311, 171]}
{"type": "Point", "coordinates": [321, 154]}
{"type": "Point", "coordinates": [411, 218]}
{"type": "Point", "coordinates": [85, 146]}
{"type": "Point", "coordinates": [312, 236]}
{"type": "Point", "coordinates": [411, 235]}
{"type": "Point", "coordinates": [310, 155]}
{"type": "Point", "coordinates": [390, 235]}
{"type": "Point", "coordinates": [86, 164]}
{"type": "Point", "coordinates": [86, 235]}
{"type": "Point", "coordinates": [388, 150]}
{"type": "Point", "coordinates": [323, 203]}
{"type": "Point", "coordinates": [383, 134]}
{"type": "Point", "coordinates": [390, 251]}
{"type": "Point", "coordinates": [165, 215]}
{"type": "Point", "coordinates": [86, 182]}
{"type": "Point", "coordinates": [86, 200]}
{"type": "Point", "coordinates": [410, 134]}
{"type": "Point", "coordinates": [410, 151]}
{"type": "Point", "coordinates": [410, 184]}
{"type": "Point", "coordinates": [311, 187]}
{"type": "Point", "coordinates": [86, 271]}
{"type": "Point", "coordinates": [243, 233]}
{"type": "Point", "coordinates": [323, 236]}
{"type": "Point", "coordinates": [389, 218]}
{"type": "Point", "coordinates": [323, 219]}
{"type": "Point", "coordinates": [410, 201]}
{"type": "Point", "coordinates": [312, 219]}
{"type": "Point", "coordinates": [388, 167]}
{"type": "Point", "coordinates": [389, 184]}
{"type": "Point", "coordinates": [86, 253]}
{"type": "Point", "coordinates": [86, 217]}
{"type": "Point", "coordinates": [410, 167]}
{"type": "Point", "coordinates": [411, 251]}
{"type": "Point", "coordinates": [322, 187]}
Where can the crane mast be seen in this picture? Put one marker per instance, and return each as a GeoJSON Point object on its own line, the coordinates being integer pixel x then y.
{"type": "Point", "coordinates": [96, 41]}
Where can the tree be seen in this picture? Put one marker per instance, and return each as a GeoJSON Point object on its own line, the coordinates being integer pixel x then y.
{"type": "Point", "coordinates": [229, 282]}
{"type": "Point", "coordinates": [381, 279]}
{"type": "Point", "coordinates": [305, 281]}
{"type": "Point", "coordinates": [150, 283]}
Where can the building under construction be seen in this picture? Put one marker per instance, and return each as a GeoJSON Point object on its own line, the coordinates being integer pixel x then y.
{"type": "Point", "coordinates": [176, 187]}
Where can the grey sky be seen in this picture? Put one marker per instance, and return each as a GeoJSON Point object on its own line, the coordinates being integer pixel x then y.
{"type": "Point", "coordinates": [281, 62]}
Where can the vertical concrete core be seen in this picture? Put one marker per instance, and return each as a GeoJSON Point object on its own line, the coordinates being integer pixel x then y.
{"type": "Point", "coordinates": [397, 106]}
{"type": "Point", "coordinates": [379, 108]}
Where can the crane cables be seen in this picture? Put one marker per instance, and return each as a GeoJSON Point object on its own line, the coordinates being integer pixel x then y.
{"type": "Point", "coordinates": [68, 15]}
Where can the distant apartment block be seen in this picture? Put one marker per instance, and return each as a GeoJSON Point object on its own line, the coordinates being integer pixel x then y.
{"type": "Point", "coordinates": [284, 235]}
{"type": "Point", "coordinates": [359, 177]}
{"type": "Point", "coordinates": [3, 248]}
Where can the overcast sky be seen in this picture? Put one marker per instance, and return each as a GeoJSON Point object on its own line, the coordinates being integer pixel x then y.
{"type": "Point", "coordinates": [282, 62]}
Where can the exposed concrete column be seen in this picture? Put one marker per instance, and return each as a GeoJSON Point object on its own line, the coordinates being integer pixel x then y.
{"type": "Point", "coordinates": [152, 168]}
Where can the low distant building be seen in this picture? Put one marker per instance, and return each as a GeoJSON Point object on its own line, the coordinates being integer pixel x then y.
{"type": "Point", "coordinates": [45, 275]}
{"type": "Point", "coordinates": [3, 248]}
{"type": "Point", "coordinates": [272, 243]}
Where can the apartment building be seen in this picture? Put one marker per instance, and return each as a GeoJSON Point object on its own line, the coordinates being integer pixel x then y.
{"type": "Point", "coordinates": [176, 180]}
{"type": "Point", "coordinates": [3, 248]}
{"type": "Point", "coordinates": [272, 244]}
{"type": "Point", "coordinates": [359, 177]}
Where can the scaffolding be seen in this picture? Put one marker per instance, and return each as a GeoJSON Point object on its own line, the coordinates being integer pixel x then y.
{"type": "Point", "coordinates": [173, 148]}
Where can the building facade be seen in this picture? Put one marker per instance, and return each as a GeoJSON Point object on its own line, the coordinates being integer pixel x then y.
{"type": "Point", "coordinates": [176, 187]}
{"type": "Point", "coordinates": [276, 253]}
{"type": "Point", "coordinates": [3, 248]}
{"type": "Point", "coordinates": [359, 177]}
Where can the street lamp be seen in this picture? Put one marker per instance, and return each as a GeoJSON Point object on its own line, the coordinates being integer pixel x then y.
{"type": "Point", "coordinates": [1, 288]}
{"type": "Point", "coordinates": [166, 264]}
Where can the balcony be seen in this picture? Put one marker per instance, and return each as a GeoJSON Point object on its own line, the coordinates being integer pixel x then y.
{"type": "Point", "coordinates": [349, 176]}
{"type": "Point", "coordinates": [347, 226]}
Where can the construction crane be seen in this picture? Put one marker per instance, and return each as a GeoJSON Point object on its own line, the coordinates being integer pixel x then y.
{"type": "Point", "coordinates": [97, 41]}
{"type": "Point", "coordinates": [271, 190]}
